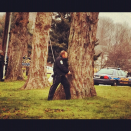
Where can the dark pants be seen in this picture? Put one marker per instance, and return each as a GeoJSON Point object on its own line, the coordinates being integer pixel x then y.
{"type": "Point", "coordinates": [56, 80]}
{"type": "Point", "coordinates": [1, 71]}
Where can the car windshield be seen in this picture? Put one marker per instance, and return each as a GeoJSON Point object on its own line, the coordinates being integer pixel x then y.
{"type": "Point", "coordinates": [50, 68]}
{"type": "Point", "coordinates": [106, 71]}
{"type": "Point", "coordinates": [123, 73]}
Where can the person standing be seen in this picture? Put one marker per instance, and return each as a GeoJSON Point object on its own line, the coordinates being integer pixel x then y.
{"type": "Point", "coordinates": [60, 70]}
{"type": "Point", "coordinates": [6, 65]}
{"type": "Point", "coordinates": [1, 65]}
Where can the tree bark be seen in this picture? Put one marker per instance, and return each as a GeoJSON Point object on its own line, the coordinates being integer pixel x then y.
{"type": "Point", "coordinates": [81, 51]}
{"type": "Point", "coordinates": [37, 77]}
{"type": "Point", "coordinates": [17, 45]}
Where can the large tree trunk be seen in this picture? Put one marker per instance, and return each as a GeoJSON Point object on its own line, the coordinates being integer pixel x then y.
{"type": "Point", "coordinates": [37, 77]}
{"type": "Point", "coordinates": [81, 51]}
{"type": "Point", "coordinates": [17, 45]}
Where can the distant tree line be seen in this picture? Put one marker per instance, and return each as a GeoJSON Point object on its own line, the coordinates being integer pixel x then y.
{"type": "Point", "coordinates": [115, 43]}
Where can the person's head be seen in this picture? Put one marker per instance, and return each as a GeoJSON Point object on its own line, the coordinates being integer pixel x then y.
{"type": "Point", "coordinates": [63, 54]}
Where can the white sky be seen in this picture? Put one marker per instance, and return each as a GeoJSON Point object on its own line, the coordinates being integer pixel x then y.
{"type": "Point", "coordinates": [118, 17]}
{"type": "Point", "coordinates": [1, 13]}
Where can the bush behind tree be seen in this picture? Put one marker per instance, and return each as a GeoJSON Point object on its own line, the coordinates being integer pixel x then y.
{"type": "Point", "coordinates": [59, 34]}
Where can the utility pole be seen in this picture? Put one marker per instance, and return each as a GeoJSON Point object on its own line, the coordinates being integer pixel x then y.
{"type": "Point", "coordinates": [52, 51]}
{"type": "Point", "coordinates": [5, 34]}
{"type": "Point", "coordinates": [7, 43]}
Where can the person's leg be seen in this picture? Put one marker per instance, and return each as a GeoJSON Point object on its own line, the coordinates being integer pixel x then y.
{"type": "Point", "coordinates": [66, 86]}
{"type": "Point", "coordinates": [56, 81]}
{"type": "Point", "coordinates": [1, 72]}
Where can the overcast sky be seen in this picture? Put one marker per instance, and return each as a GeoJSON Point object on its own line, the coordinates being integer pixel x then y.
{"type": "Point", "coordinates": [120, 17]}
{"type": "Point", "coordinates": [1, 13]}
{"type": "Point", "coordinates": [115, 16]}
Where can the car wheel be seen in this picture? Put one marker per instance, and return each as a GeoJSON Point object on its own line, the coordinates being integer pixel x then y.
{"type": "Point", "coordinates": [114, 84]}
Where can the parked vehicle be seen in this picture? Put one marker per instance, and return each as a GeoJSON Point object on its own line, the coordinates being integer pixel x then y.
{"type": "Point", "coordinates": [111, 76]}
{"type": "Point", "coordinates": [49, 70]}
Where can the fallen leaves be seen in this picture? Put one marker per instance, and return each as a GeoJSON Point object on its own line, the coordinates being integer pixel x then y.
{"type": "Point", "coordinates": [6, 117]}
{"type": "Point", "coordinates": [129, 117]}
{"type": "Point", "coordinates": [68, 109]}
{"type": "Point", "coordinates": [90, 103]}
{"type": "Point", "coordinates": [53, 110]}
{"type": "Point", "coordinates": [3, 109]}
{"type": "Point", "coordinates": [26, 105]}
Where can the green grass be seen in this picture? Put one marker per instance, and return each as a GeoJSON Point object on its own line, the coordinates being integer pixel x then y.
{"type": "Point", "coordinates": [48, 75]}
{"type": "Point", "coordinates": [110, 103]}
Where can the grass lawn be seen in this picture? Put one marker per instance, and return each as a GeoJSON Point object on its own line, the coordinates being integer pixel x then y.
{"type": "Point", "coordinates": [110, 103]}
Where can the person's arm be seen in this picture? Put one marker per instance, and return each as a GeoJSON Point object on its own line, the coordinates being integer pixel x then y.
{"type": "Point", "coordinates": [62, 67]}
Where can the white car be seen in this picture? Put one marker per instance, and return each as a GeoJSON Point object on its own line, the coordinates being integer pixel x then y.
{"type": "Point", "coordinates": [49, 70]}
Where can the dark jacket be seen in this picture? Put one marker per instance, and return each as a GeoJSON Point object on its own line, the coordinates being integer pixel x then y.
{"type": "Point", "coordinates": [1, 60]}
{"type": "Point", "coordinates": [1, 66]}
{"type": "Point", "coordinates": [60, 66]}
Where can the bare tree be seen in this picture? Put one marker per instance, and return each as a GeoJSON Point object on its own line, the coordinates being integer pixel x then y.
{"type": "Point", "coordinates": [105, 34]}
{"type": "Point", "coordinates": [119, 53]}
{"type": "Point", "coordinates": [114, 43]}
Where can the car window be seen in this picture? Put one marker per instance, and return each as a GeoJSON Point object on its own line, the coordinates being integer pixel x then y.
{"type": "Point", "coordinates": [119, 73]}
{"type": "Point", "coordinates": [106, 71]}
{"type": "Point", "coordinates": [115, 73]}
{"type": "Point", "coordinates": [47, 67]}
{"type": "Point", "coordinates": [50, 68]}
{"type": "Point", "coordinates": [123, 73]}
